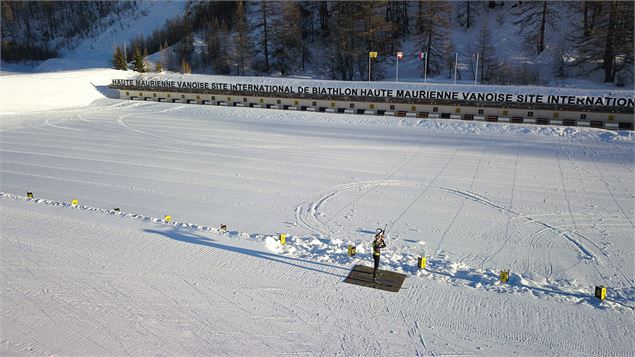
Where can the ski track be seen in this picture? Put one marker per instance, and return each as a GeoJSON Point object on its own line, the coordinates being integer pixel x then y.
{"type": "Point", "coordinates": [458, 212]}
{"type": "Point", "coordinates": [573, 229]}
{"type": "Point", "coordinates": [439, 269]}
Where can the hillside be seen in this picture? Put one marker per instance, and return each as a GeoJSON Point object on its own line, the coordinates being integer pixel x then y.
{"type": "Point", "coordinates": [329, 40]}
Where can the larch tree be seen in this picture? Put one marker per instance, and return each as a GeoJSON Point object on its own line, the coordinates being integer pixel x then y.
{"type": "Point", "coordinates": [217, 49]}
{"type": "Point", "coordinates": [432, 32]}
{"type": "Point", "coordinates": [286, 38]}
{"type": "Point", "coordinates": [534, 17]}
{"type": "Point", "coordinates": [467, 12]}
{"type": "Point", "coordinates": [242, 51]}
{"type": "Point", "coordinates": [375, 35]}
{"type": "Point", "coordinates": [606, 42]}
{"type": "Point", "coordinates": [398, 19]}
{"type": "Point", "coordinates": [487, 57]}
{"type": "Point", "coordinates": [264, 12]}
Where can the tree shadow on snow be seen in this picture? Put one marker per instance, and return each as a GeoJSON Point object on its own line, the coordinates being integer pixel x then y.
{"type": "Point", "coordinates": [189, 237]}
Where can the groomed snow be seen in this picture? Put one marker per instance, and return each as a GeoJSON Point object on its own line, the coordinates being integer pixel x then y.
{"type": "Point", "coordinates": [553, 205]}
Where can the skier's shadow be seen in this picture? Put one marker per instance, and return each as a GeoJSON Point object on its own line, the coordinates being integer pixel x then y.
{"type": "Point", "coordinates": [189, 237]}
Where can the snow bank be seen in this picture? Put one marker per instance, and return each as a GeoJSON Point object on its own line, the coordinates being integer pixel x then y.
{"type": "Point", "coordinates": [22, 93]}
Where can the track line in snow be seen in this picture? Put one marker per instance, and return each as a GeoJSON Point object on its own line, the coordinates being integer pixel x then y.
{"type": "Point", "coordinates": [439, 269]}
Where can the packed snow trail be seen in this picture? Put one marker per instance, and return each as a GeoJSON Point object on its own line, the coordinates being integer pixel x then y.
{"type": "Point", "coordinates": [312, 249]}
{"type": "Point", "coordinates": [553, 205]}
{"type": "Point", "coordinates": [79, 282]}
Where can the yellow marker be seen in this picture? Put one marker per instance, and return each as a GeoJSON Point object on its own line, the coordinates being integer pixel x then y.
{"type": "Point", "coordinates": [74, 202]}
{"type": "Point", "coordinates": [372, 54]}
{"type": "Point", "coordinates": [167, 218]}
{"type": "Point", "coordinates": [351, 250]}
{"type": "Point", "coordinates": [283, 238]}
{"type": "Point", "coordinates": [422, 262]}
{"type": "Point", "coordinates": [504, 276]}
{"type": "Point", "coordinates": [600, 292]}
{"type": "Point", "coordinates": [29, 194]}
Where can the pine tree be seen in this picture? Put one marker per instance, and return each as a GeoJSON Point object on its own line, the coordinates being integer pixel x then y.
{"type": "Point", "coordinates": [158, 67]}
{"type": "Point", "coordinates": [146, 65]}
{"type": "Point", "coordinates": [118, 60]}
{"type": "Point", "coordinates": [137, 61]}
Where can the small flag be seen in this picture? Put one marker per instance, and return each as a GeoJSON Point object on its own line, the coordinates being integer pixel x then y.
{"type": "Point", "coordinates": [399, 55]}
{"type": "Point", "coordinates": [372, 54]}
{"type": "Point", "coordinates": [422, 55]}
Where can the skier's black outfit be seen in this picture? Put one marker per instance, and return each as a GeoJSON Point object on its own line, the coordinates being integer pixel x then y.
{"type": "Point", "coordinates": [378, 243]}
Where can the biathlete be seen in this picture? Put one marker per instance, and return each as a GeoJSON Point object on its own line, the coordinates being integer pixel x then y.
{"type": "Point", "coordinates": [378, 243]}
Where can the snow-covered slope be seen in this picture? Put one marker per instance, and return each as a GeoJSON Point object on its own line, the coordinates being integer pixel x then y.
{"type": "Point", "coordinates": [553, 205]}
{"type": "Point", "coordinates": [23, 93]}
{"type": "Point", "coordinates": [510, 50]}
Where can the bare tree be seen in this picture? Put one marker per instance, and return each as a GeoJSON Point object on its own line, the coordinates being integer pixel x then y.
{"type": "Point", "coordinates": [533, 19]}
{"type": "Point", "coordinates": [431, 32]}
{"type": "Point", "coordinates": [606, 42]}
{"type": "Point", "coordinates": [242, 52]}
{"type": "Point", "coordinates": [467, 11]}
{"type": "Point", "coordinates": [287, 38]}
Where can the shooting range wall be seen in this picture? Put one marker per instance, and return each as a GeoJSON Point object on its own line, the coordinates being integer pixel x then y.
{"type": "Point", "coordinates": [612, 113]}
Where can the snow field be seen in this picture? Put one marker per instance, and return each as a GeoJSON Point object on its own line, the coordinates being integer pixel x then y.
{"type": "Point", "coordinates": [553, 205]}
{"type": "Point", "coordinates": [78, 283]}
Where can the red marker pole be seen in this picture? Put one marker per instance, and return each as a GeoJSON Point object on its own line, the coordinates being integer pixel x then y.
{"type": "Point", "coordinates": [399, 56]}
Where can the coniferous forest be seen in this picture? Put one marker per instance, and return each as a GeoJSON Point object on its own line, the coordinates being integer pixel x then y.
{"type": "Point", "coordinates": [331, 39]}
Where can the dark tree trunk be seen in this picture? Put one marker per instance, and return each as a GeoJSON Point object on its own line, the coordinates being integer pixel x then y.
{"type": "Point", "coordinates": [586, 21]}
{"type": "Point", "coordinates": [609, 49]}
{"type": "Point", "coordinates": [265, 39]}
{"type": "Point", "coordinates": [324, 18]}
{"type": "Point", "coordinates": [541, 43]}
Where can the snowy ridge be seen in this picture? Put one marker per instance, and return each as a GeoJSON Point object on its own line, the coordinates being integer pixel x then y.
{"type": "Point", "coordinates": [320, 248]}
